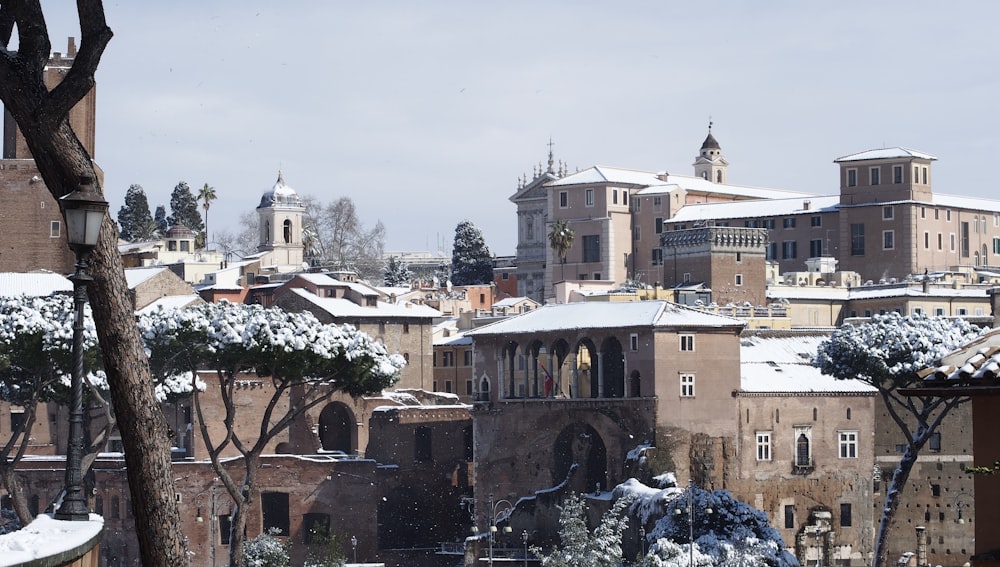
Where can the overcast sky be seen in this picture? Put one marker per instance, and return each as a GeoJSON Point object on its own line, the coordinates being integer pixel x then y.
{"type": "Point", "coordinates": [427, 113]}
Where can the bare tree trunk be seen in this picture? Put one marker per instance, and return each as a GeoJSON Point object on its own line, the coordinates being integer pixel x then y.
{"type": "Point", "coordinates": [61, 160]}
{"type": "Point", "coordinates": [892, 497]}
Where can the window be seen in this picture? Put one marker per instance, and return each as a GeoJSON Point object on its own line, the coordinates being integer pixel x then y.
{"type": "Point", "coordinates": [788, 222]}
{"type": "Point", "coordinates": [633, 341]}
{"type": "Point", "coordinates": [589, 197]}
{"type": "Point", "coordinates": [763, 445]}
{"type": "Point", "coordinates": [927, 240]}
{"type": "Point", "coordinates": [857, 239]}
{"type": "Point", "coordinates": [897, 174]}
{"type": "Point", "coordinates": [467, 359]}
{"type": "Point", "coordinates": [225, 526]}
{"type": "Point", "coordinates": [996, 245]}
{"type": "Point", "coordinates": [940, 240]}
{"type": "Point", "coordinates": [657, 201]}
{"type": "Point", "coordinates": [852, 177]}
{"type": "Point", "coordinates": [687, 385]}
{"type": "Point", "coordinates": [768, 223]}
{"type": "Point", "coordinates": [739, 280]}
{"type": "Point", "coordinates": [772, 251]}
{"type": "Point", "coordinates": [659, 225]}
{"type": "Point", "coordinates": [739, 257]}
{"type": "Point", "coordinates": [947, 215]}
{"type": "Point", "coordinates": [803, 446]}
{"type": "Point", "coordinates": [888, 239]}
{"type": "Point", "coordinates": [964, 229]}
{"type": "Point", "coordinates": [422, 444]}
{"type": "Point", "coordinates": [274, 506]}
{"type": "Point", "coordinates": [637, 234]}
{"type": "Point", "coordinates": [934, 443]}
{"type": "Point", "coordinates": [592, 248]}
{"type": "Point", "coordinates": [686, 277]}
{"type": "Point", "coordinates": [788, 249]}
{"type": "Point", "coordinates": [845, 515]}
{"type": "Point", "coordinates": [951, 240]}
{"type": "Point", "coordinates": [55, 228]}
{"type": "Point", "coordinates": [924, 177]}
{"type": "Point", "coordinates": [789, 517]}
{"type": "Point", "coordinates": [816, 221]}
{"type": "Point", "coordinates": [848, 444]}
{"type": "Point", "coordinates": [563, 199]}
{"type": "Point", "coordinates": [614, 196]}
{"type": "Point", "coordinates": [658, 256]}
{"type": "Point", "coordinates": [874, 175]}
{"type": "Point", "coordinates": [887, 213]}
{"type": "Point", "coordinates": [935, 490]}
{"type": "Point", "coordinates": [447, 359]}
{"type": "Point", "coordinates": [687, 343]}
{"type": "Point", "coordinates": [815, 248]}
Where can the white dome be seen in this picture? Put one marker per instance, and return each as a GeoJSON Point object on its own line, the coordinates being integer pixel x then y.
{"type": "Point", "coordinates": [280, 194]}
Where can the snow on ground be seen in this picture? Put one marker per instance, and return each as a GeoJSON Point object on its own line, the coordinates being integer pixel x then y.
{"type": "Point", "coordinates": [46, 537]}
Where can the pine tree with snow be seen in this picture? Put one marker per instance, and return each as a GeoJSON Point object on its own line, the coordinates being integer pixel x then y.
{"type": "Point", "coordinates": [886, 352]}
{"type": "Point", "coordinates": [184, 209]}
{"type": "Point", "coordinates": [396, 273]}
{"type": "Point", "coordinates": [471, 261]}
{"type": "Point", "coordinates": [135, 223]}
{"type": "Point", "coordinates": [579, 546]}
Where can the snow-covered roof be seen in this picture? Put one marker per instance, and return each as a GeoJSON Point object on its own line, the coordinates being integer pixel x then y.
{"type": "Point", "coordinates": [962, 202]}
{"type": "Point", "coordinates": [135, 276]}
{"type": "Point", "coordinates": [782, 364]}
{"type": "Point", "coordinates": [512, 301]}
{"type": "Point", "coordinates": [606, 315]}
{"type": "Point", "coordinates": [604, 174]}
{"type": "Point", "coordinates": [757, 208]}
{"type": "Point", "coordinates": [339, 307]}
{"type": "Point", "coordinates": [171, 302]}
{"type": "Point", "coordinates": [870, 292]}
{"type": "Point", "coordinates": [978, 361]}
{"type": "Point", "coordinates": [327, 280]}
{"type": "Point", "coordinates": [885, 153]}
{"type": "Point", "coordinates": [34, 284]}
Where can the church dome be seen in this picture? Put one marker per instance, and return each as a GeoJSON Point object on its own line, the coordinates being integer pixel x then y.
{"type": "Point", "coordinates": [710, 143]}
{"type": "Point", "coordinates": [280, 194]}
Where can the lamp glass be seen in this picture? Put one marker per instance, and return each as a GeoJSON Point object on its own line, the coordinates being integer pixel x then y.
{"type": "Point", "coordinates": [84, 210]}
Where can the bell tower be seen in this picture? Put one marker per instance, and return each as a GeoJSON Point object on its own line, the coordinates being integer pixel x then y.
{"type": "Point", "coordinates": [710, 165]}
{"type": "Point", "coordinates": [280, 219]}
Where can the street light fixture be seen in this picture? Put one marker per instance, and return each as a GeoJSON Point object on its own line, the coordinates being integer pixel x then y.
{"type": "Point", "coordinates": [690, 517]}
{"type": "Point", "coordinates": [354, 546]}
{"type": "Point", "coordinates": [495, 513]}
{"type": "Point", "coordinates": [84, 211]}
{"type": "Point", "coordinates": [524, 538]}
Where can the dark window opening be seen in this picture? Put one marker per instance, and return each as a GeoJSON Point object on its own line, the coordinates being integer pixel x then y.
{"type": "Point", "coordinates": [275, 510]}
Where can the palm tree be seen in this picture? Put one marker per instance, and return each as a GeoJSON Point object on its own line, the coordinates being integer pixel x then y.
{"type": "Point", "coordinates": [206, 195]}
{"type": "Point", "coordinates": [561, 239]}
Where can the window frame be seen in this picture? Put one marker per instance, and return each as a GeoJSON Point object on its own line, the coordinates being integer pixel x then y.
{"type": "Point", "coordinates": [764, 447]}
{"type": "Point", "coordinates": [687, 385]}
{"type": "Point", "coordinates": [847, 444]}
{"type": "Point", "coordinates": [685, 342]}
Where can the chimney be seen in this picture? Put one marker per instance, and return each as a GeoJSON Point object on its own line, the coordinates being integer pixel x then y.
{"type": "Point", "coordinates": [71, 48]}
{"type": "Point", "coordinates": [921, 547]}
{"type": "Point", "coordinates": [806, 205]}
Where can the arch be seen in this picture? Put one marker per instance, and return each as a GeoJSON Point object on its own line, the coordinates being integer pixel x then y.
{"type": "Point", "coordinates": [286, 231]}
{"type": "Point", "coordinates": [579, 444]}
{"type": "Point", "coordinates": [718, 176]}
{"type": "Point", "coordinates": [612, 372]}
{"type": "Point", "coordinates": [535, 377]}
{"type": "Point", "coordinates": [509, 370]}
{"type": "Point", "coordinates": [337, 429]}
{"type": "Point", "coordinates": [802, 450]}
{"type": "Point", "coordinates": [635, 384]}
{"type": "Point", "coordinates": [585, 379]}
{"type": "Point", "coordinates": [975, 258]}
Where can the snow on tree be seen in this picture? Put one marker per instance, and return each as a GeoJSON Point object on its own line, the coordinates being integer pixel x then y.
{"type": "Point", "coordinates": [184, 208]}
{"type": "Point", "coordinates": [471, 261]}
{"type": "Point", "coordinates": [266, 550]}
{"type": "Point", "coordinates": [305, 360]}
{"type": "Point", "coordinates": [135, 223]}
{"type": "Point", "coordinates": [160, 219]}
{"type": "Point", "coordinates": [887, 352]}
{"type": "Point", "coordinates": [732, 534]}
{"type": "Point", "coordinates": [396, 273]}
{"type": "Point", "coordinates": [581, 548]}
{"type": "Point", "coordinates": [36, 346]}
{"type": "Point", "coordinates": [338, 239]}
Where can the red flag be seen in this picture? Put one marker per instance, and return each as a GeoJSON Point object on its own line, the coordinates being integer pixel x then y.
{"type": "Point", "coordinates": [548, 380]}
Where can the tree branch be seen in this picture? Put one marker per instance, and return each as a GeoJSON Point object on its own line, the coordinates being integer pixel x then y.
{"type": "Point", "coordinates": [95, 35]}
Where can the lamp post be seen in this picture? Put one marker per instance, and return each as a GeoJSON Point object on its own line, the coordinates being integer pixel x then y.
{"type": "Point", "coordinates": [84, 211]}
{"type": "Point", "coordinates": [524, 538]}
{"type": "Point", "coordinates": [690, 517]}
{"type": "Point", "coordinates": [495, 512]}
{"type": "Point", "coordinates": [354, 546]}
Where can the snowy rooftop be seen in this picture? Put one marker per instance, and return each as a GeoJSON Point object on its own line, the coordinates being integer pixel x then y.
{"type": "Point", "coordinates": [977, 361]}
{"type": "Point", "coordinates": [885, 153]}
{"type": "Point", "coordinates": [347, 308]}
{"type": "Point", "coordinates": [171, 302]}
{"type": "Point", "coordinates": [605, 315]}
{"type": "Point", "coordinates": [757, 208]}
{"type": "Point", "coordinates": [511, 301]}
{"type": "Point", "coordinates": [783, 364]}
{"type": "Point", "coordinates": [35, 284]}
{"type": "Point", "coordinates": [135, 276]}
{"type": "Point", "coordinates": [913, 290]}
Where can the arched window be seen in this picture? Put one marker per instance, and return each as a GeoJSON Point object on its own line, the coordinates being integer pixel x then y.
{"type": "Point", "coordinates": [286, 232]}
{"type": "Point", "coordinates": [718, 176]}
{"type": "Point", "coordinates": [802, 451]}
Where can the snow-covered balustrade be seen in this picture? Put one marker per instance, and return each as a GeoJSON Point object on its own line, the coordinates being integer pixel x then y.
{"type": "Point", "coordinates": [47, 542]}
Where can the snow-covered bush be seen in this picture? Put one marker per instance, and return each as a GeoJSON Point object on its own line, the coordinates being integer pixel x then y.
{"type": "Point", "coordinates": [266, 550]}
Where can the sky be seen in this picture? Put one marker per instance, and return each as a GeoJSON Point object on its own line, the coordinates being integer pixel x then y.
{"type": "Point", "coordinates": [428, 113]}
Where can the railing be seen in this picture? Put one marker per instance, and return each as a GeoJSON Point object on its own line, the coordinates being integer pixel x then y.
{"type": "Point", "coordinates": [47, 542]}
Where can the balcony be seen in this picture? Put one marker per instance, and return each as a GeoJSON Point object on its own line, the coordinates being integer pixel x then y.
{"type": "Point", "coordinates": [803, 469]}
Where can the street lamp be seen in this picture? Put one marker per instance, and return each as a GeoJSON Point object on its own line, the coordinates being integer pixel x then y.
{"type": "Point", "coordinates": [524, 538]}
{"type": "Point", "coordinates": [495, 512]}
{"type": "Point", "coordinates": [84, 210]}
{"type": "Point", "coordinates": [690, 517]}
{"type": "Point", "coordinates": [354, 546]}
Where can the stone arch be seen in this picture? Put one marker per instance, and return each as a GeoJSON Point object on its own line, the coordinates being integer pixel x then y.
{"type": "Point", "coordinates": [337, 428]}
{"type": "Point", "coordinates": [508, 380]}
{"type": "Point", "coordinates": [635, 384]}
{"type": "Point", "coordinates": [580, 444]}
{"type": "Point", "coordinates": [558, 355]}
{"type": "Point", "coordinates": [585, 379]}
{"type": "Point", "coordinates": [535, 376]}
{"type": "Point", "coordinates": [612, 371]}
